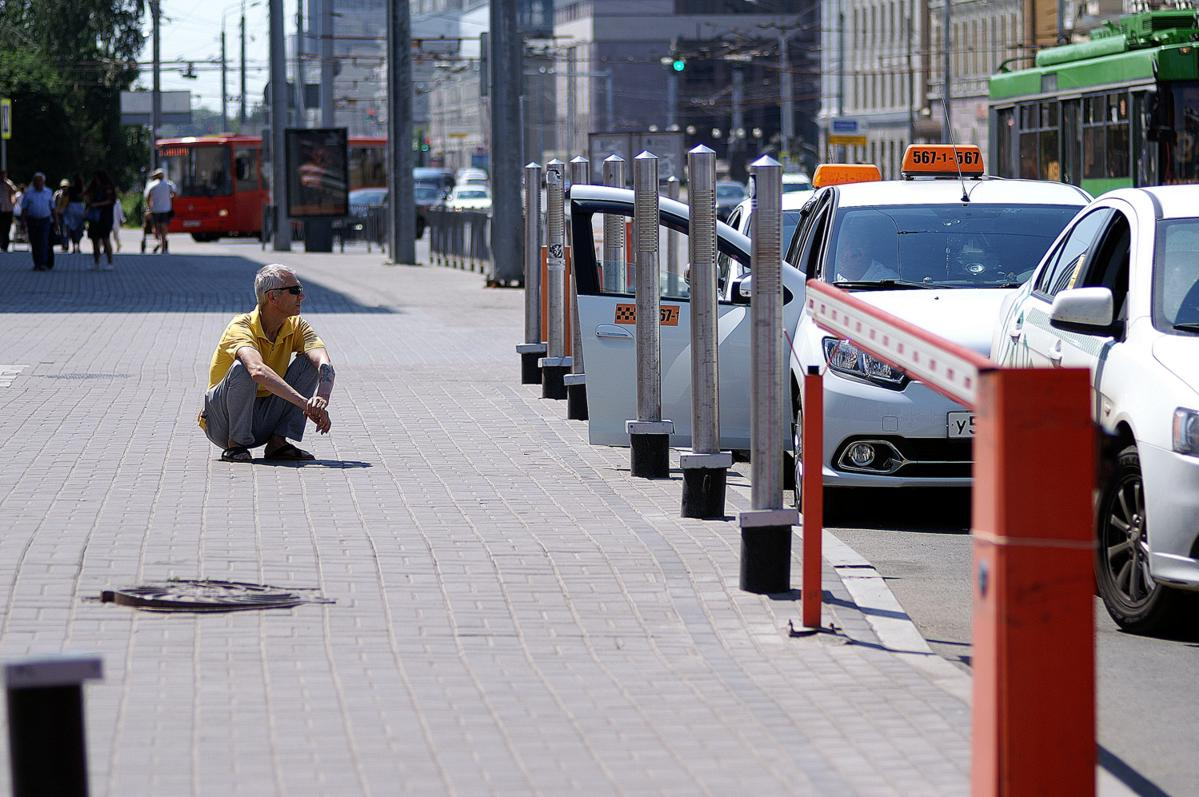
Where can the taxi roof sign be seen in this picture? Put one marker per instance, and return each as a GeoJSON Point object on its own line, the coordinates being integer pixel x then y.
{"type": "Point", "coordinates": [845, 173]}
{"type": "Point", "coordinates": [941, 160]}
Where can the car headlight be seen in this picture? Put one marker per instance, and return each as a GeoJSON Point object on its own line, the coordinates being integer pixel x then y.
{"type": "Point", "coordinates": [1186, 431]}
{"type": "Point", "coordinates": [846, 358]}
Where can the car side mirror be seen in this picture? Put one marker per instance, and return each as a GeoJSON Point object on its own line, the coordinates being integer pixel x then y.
{"type": "Point", "coordinates": [1083, 310]}
{"type": "Point", "coordinates": [742, 289]}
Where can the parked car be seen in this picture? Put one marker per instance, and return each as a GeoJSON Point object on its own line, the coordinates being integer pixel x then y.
{"type": "Point", "coordinates": [469, 197]}
{"type": "Point", "coordinates": [728, 196]}
{"type": "Point", "coordinates": [475, 177]}
{"type": "Point", "coordinates": [442, 179]}
{"type": "Point", "coordinates": [1119, 294]}
{"type": "Point", "coordinates": [741, 218]}
{"type": "Point", "coordinates": [796, 181]}
{"type": "Point", "coordinates": [919, 250]}
{"type": "Point", "coordinates": [363, 199]}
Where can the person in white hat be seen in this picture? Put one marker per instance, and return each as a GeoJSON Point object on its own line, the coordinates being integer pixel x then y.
{"type": "Point", "coordinates": [159, 193]}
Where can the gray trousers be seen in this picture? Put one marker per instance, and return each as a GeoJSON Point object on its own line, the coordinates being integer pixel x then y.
{"type": "Point", "coordinates": [235, 416]}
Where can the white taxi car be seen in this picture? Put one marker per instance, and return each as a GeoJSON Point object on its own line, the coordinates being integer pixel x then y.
{"type": "Point", "coordinates": [1119, 294]}
{"type": "Point", "coordinates": [939, 248]}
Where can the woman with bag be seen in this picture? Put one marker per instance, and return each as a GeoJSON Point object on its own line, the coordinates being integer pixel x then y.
{"type": "Point", "coordinates": [101, 195]}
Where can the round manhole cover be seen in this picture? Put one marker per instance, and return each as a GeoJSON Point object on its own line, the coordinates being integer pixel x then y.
{"type": "Point", "coordinates": [206, 595]}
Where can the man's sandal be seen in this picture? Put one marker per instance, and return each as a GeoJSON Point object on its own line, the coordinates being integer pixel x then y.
{"type": "Point", "coordinates": [236, 454]}
{"type": "Point", "coordinates": [289, 452]}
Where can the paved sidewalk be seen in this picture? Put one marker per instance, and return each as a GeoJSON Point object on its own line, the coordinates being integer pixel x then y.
{"type": "Point", "coordinates": [514, 613]}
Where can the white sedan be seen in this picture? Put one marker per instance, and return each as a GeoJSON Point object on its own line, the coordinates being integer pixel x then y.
{"type": "Point", "coordinates": [469, 197]}
{"type": "Point", "coordinates": [942, 253]}
{"type": "Point", "coordinates": [1119, 294]}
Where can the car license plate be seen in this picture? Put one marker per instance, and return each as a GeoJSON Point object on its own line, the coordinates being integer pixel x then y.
{"type": "Point", "coordinates": [191, 223]}
{"type": "Point", "coordinates": [960, 424]}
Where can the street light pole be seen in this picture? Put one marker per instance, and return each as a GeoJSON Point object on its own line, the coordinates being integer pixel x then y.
{"type": "Point", "coordinates": [788, 111]}
{"type": "Point", "coordinates": [402, 229]}
{"type": "Point", "coordinates": [326, 50]}
{"type": "Point", "coordinates": [241, 113]}
{"type": "Point", "coordinates": [156, 93]}
{"type": "Point", "coordinates": [282, 236]}
{"type": "Point", "coordinates": [224, 83]}
{"type": "Point", "coordinates": [946, 100]}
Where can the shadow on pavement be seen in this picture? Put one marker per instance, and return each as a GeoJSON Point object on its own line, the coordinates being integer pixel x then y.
{"type": "Point", "coordinates": [1134, 780]}
{"type": "Point", "coordinates": [191, 283]}
{"type": "Point", "coordinates": [333, 464]}
{"type": "Point", "coordinates": [931, 510]}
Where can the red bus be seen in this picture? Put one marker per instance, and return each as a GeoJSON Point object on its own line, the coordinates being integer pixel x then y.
{"type": "Point", "coordinates": [221, 186]}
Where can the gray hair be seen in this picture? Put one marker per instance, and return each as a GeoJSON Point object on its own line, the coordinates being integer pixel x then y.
{"type": "Point", "coordinates": [268, 278]}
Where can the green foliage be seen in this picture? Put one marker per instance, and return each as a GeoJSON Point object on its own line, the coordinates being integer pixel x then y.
{"type": "Point", "coordinates": [65, 64]}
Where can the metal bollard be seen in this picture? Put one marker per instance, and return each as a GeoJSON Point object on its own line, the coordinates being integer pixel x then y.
{"type": "Point", "coordinates": [705, 466]}
{"type": "Point", "coordinates": [614, 227]}
{"type": "Point", "coordinates": [672, 244]}
{"type": "Point", "coordinates": [556, 363]}
{"type": "Point", "coordinates": [649, 435]}
{"type": "Point", "coordinates": [766, 529]}
{"type": "Point", "coordinates": [532, 349]}
{"type": "Point", "coordinates": [47, 749]}
{"type": "Point", "coordinates": [576, 380]}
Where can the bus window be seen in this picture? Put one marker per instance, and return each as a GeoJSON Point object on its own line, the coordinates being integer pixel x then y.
{"type": "Point", "coordinates": [200, 171]}
{"type": "Point", "coordinates": [1179, 143]}
{"type": "Point", "coordinates": [1117, 135]}
{"type": "Point", "coordinates": [1004, 124]}
{"type": "Point", "coordinates": [368, 166]}
{"type": "Point", "coordinates": [246, 169]}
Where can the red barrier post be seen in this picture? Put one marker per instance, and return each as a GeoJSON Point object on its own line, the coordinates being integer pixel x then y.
{"type": "Point", "coordinates": [812, 492]}
{"type": "Point", "coordinates": [1034, 634]}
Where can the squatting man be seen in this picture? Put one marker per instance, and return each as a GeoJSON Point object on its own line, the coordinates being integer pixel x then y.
{"type": "Point", "coordinates": [257, 394]}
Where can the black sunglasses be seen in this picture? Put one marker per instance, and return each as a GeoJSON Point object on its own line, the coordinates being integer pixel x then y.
{"type": "Point", "coordinates": [294, 290]}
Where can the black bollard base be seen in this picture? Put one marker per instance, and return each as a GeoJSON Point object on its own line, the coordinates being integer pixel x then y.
{"type": "Point", "coordinates": [552, 386]}
{"type": "Point", "coordinates": [530, 367]}
{"type": "Point", "coordinates": [703, 492]}
{"type": "Point", "coordinates": [576, 398]}
{"type": "Point", "coordinates": [766, 559]}
{"type": "Point", "coordinates": [766, 550]}
{"type": "Point", "coordinates": [47, 749]}
{"type": "Point", "coordinates": [530, 371]}
{"type": "Point", "coordinates": [650, 456]}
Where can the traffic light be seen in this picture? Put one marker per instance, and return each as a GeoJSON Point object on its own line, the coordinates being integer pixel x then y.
{"type": "Point", "coordinates": [678, 64]}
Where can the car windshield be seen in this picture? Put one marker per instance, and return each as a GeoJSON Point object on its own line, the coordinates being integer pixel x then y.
{"type": "Point", "coordinates": [729, 191]}
{"type": "Point", "coordinates": [426, 192]}
{"type": "Point", "coordinates": [470, 195]}
{"type": "Point", "coordinates": [198, 171]}
{"type": "Point", "coordinates": [370, 197]}
{"type": "Point", "coordinates": [960, 245]}
{"type": "Point", "coordinates": [798, 185]}
{"type": "Point", "coordinates": [1176, 276]}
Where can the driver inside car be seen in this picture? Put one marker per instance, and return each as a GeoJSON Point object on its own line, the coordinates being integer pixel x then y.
{"type": "Point", "coordinates": [860, 258]}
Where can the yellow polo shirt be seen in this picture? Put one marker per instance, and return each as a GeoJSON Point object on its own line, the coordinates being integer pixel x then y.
{"type": "Point", "coordinates": [296, 336]}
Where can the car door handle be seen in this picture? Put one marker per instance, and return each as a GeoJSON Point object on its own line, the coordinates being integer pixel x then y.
{"type": "Point", "coordinates": [612, 331]}
{"type": "Point", "coordinates": [1014, 330]}
{"type": "Point", "coordinates": [1055, 354]}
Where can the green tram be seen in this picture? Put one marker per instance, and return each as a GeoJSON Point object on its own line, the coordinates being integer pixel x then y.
{"type": "Point", "coordinates": [1119, 110]}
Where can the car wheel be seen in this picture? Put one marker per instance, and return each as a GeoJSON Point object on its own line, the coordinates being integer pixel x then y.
{"type": "Point", "coordinates": [1134, 600]}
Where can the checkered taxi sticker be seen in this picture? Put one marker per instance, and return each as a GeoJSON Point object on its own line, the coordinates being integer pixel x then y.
{"type": "Point", "coordinates": [668, 314]}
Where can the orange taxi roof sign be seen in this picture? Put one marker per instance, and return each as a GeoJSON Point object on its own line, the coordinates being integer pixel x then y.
{"type": "Point", "coordinates": [844, 173]}
{"type": "Point", "coordinates": [942, 159]}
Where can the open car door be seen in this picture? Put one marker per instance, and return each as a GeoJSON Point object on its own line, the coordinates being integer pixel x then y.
{"type": "Point", "coordinates": [607, 323]}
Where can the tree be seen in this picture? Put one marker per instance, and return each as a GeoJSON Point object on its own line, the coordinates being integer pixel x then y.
{"type": "Point", "coordinates": [65, 64]}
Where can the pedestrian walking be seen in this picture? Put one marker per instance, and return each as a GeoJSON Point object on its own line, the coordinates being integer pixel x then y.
{"type": "Point", "coordinates": [73, 216]}
{"type": "Point", "coordinates": [118, 219]}
{"type": "Point", "coordinates": [100, 196]}
{"type": "Point", "coordinates": [58, 234]}
{"type": "Point", "coordinates": [37, 213]}
{"type": "Point", "coordinates": [8, 200]}
{"type": "Point", "coordinates": [160, 193]}
{"type": "Point", "coordinates": [257, 394]}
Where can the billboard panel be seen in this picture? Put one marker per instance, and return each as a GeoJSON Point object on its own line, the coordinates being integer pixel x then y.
{"type": "Point", "coordinates": [317, 172]}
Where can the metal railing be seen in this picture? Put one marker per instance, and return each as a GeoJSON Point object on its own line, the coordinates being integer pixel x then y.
{"type": "Point", "coordinates": [371, 229]}
{"type": "Point", "coordinates": [460, 239]}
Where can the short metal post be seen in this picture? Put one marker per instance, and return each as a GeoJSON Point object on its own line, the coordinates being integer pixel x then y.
{"type": "Point", "coordinates": [556, 362]}
{"type": "Point", "coordinates": [812, 493]}
{"type": "Point", "coordinates": [705, 467]}
{"type": "Point", "coordinates": [649, 434]}
{"type": "Point", "coordinates": [576, 380]}
{"type": "Point", "coordinates": [532, 349]}
{"type": "Point", "coordinates": [614, 228]}
{"type": "Point", "coordinates": [47, 749]}
{"type": "Point", "coordinates": [766, 529]}
{"type": "Point", "coordinates": [672, 244]}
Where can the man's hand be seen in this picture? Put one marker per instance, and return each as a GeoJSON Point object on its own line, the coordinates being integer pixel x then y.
{"type": "Point", "coordinates": [319, 418]}
{"type": "Point", "coordinates": [315, 404]}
